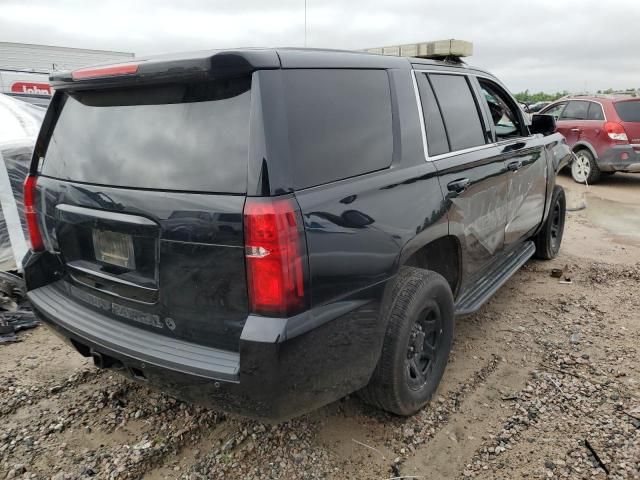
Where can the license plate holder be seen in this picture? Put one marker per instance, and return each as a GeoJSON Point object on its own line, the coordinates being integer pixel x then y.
{"type": "Point", "coordinates": [114, 248]}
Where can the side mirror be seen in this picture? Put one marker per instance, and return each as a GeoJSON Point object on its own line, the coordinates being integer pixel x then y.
{"type": "Point", "coordinates": [544, 124]}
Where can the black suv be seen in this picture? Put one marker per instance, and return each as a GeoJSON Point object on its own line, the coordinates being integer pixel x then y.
{"type": "Point", "coordinates": [269, 230]}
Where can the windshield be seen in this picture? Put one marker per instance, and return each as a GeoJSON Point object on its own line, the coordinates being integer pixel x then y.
{"type": "Point", "coordinates": [628, 111]}
{"type": "Point", "coordinates": [188, 137]}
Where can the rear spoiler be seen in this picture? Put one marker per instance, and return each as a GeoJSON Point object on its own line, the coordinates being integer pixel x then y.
{"type": "Point", "coordinates": [201, 65]}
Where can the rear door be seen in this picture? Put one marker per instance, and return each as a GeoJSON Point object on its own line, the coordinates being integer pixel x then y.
{"type": "Point", "coordinates": [142, 194]}
{"type": "Point", "coordinates": [572, 120]}
{"type": "Point", "coordinates": [524, 157]}
{"type": "Point", "coordinates": [591, 129]}
{"type": "Point", "coordinates": [472, 173]}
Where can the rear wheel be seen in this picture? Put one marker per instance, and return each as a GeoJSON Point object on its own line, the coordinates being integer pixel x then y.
{"type": "Point", "coordinates": [549, 239]}
{"type": "Point", "coordinates": [584, 168]}
{"type": "Point", "coordinates": [416, 345]}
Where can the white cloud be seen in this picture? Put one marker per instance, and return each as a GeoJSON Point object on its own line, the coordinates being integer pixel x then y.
{"type": "Point", "coordinates": [544, 45]}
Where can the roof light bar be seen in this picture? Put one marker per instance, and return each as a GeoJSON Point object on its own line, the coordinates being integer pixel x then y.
{"type": "Point", "coordinates": [438, 49]}
{"type": "Point", "coordinates": [106, 71]}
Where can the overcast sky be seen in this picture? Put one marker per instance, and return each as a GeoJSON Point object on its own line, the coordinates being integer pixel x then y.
{"type": "Point", "coordinates": [550, 45]}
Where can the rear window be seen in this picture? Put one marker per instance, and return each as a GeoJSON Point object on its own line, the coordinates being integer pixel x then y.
{"type": "Point", "coordinates": [339, 123]}
{"type": "Point", "coordinates": [628, 111]}
{"type": "Point", "coordinates": [191, 137]}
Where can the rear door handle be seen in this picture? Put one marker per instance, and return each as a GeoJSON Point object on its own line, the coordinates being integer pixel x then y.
{"type": "Point", "coordinates": [514, 166]}
{"type": "Point", "coordinates": [575, 130]}
{"type": "Point", "coordinates": [458, 186]}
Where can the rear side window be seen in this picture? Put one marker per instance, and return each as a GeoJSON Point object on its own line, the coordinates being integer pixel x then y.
{"type": "Point", "coordinates": [437, 142]}
{"type": "Point", "coordinates": [595, 112]}
{"type": "Point", "coordinates": [628, 111]}
{"type": "Point", "coordinates": [339, 123]}
{"type": "Point", "coordinates": [459, 111]}
{"type": "Point", "coordinates": [576, 110]}
{"type": "Point", "coordinates": [191, 137]}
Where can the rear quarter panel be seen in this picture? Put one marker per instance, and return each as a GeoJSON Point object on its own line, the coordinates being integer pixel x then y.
{"type": "Point", "coordinates": [357, 230]}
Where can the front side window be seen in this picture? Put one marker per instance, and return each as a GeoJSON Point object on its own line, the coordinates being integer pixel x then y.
{"type": "Point", "coordinates": [503, 114]}
{"type": "Point", "coordinates": [555, 110]}
{"type": "Point", "coordinates": [576, 110]}
{"type": "Point", "coordinates": [459, 111]}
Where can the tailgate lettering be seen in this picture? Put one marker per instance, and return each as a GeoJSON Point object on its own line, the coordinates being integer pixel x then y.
{"type": "Point", "coordinates": [119, 310]}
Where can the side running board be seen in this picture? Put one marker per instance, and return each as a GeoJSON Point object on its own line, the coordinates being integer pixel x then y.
{"type": "Point", "coordinates": [474, 297]}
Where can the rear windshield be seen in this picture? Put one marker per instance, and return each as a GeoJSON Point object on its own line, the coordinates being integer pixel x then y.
{"type": "Point", "coordinates": [190, 137]}
{"type": "Point", "coordinates": [628, 111]}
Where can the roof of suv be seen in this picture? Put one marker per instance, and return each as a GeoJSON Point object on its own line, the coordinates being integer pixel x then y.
{"type": "Point", "coordinates": [598, 97]}
{"type": "Point", "coordinates": [246, 60]}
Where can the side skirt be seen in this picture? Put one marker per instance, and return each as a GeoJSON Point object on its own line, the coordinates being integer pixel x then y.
{"type": "Point", "coordinates": [477, 295]}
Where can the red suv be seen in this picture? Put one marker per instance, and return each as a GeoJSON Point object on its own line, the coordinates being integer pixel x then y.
{"type": "Point", "coordinates": [603, 131]}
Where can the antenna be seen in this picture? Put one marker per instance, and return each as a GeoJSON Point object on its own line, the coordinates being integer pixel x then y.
{"type": "Point", "coordinates": [305, 23]}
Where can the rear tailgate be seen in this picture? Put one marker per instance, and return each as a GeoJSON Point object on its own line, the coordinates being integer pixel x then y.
{"type": "Point", "coordinates": [141, 192]}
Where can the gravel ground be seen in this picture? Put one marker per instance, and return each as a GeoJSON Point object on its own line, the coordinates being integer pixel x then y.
{"type": "Point", "coordinates": [544, 382]}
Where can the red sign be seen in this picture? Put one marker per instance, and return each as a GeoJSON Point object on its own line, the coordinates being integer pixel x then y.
{"type": "Point", "coordinates": [31, 88]}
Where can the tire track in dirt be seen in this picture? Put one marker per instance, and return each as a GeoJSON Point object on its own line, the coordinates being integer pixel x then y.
{"type": "Point", "coordinates": [106, 426]}
{"type": "Point", "coordinates": [456, 441]}
{"type": "Point", "coordinates": [20, 396]}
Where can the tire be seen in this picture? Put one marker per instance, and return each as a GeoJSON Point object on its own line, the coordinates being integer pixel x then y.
{"type": "Point", "coordinates": [584, 168]}
{"type": "Point", "coordinates": [549, 239]}
{"type": "Point", "coordinates": [416, 345]}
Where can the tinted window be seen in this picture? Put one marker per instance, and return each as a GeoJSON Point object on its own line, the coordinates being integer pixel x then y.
{"type": "Point", "coordinates": [555, 110]}
{"type": "Point", "coordinates": [437, 142]}
{"type": "Point", "coordinates": [181, 137]}
{"type": "Point", "coordinates": [576, 110]}
{"type": "Point", "coordinates": [503, 111]}
{"type": "Point", "coordinates": [459, 110]}
{"type": "Point", "coordinates": [628, 111]}
{"type": "Point", "coordinates": [339, 123]}
{"type": "Point", "coordinates": [595, 112]}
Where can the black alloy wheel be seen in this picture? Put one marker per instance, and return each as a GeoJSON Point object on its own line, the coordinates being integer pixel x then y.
{"type": "Point", "coordinates": [424, 342]}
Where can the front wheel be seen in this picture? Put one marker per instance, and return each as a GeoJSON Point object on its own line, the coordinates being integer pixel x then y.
{"type": "Point", "coordinates": [416, 345]}
{"type": "Point", "coordinates": [548, 239]}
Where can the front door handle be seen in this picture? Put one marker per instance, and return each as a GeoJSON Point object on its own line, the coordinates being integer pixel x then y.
{"type": "Point", "coordinates": [514, 146]}
{"type": "Point", "coordinates": [515, 166]}
{"type": "Point", "coordinates": [576, 130]}
{"type": "Point", "coordinates": [458, 186]}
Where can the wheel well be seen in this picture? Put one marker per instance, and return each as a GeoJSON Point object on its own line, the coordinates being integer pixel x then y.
{"type": "Point", "coordinates": [441, 256]}
{"type": "Point", "coordinates": [582, 146]}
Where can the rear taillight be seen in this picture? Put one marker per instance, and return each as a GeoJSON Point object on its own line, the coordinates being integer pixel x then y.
{"type": "Point", "coordinates": [275, 252]}
{"type": "Point", "coordinates": [30, 213]}
{"type": "Point", "coordinates": [615, 131]}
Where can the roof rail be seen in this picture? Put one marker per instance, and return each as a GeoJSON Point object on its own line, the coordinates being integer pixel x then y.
{"type": "Point", "coordinates": [611, 95]}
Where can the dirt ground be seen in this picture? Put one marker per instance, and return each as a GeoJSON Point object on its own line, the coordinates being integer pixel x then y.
{"type": "Point", "coordinates": [544, 382]}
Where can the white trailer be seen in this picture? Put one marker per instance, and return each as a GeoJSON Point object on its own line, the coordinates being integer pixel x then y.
{"type": "Point", "coordinates": [25, 67]}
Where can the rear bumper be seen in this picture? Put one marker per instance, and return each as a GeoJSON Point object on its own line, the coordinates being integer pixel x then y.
{"type": "Point", "coordinates": [285, 366]}
{"type": "Point", "coordinates": [620, 158]}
